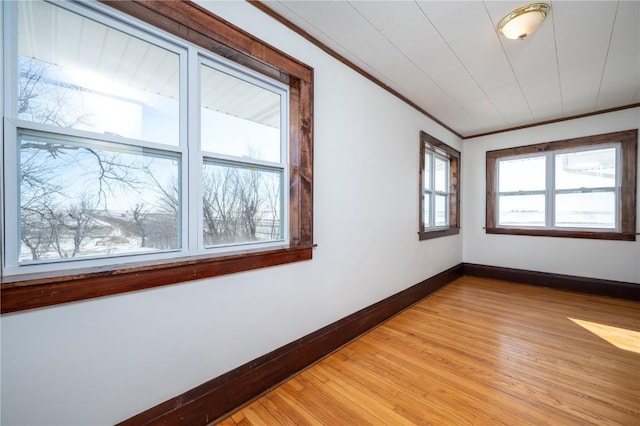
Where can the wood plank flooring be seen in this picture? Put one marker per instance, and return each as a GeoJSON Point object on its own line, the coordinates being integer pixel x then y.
{"type": "Point", "coordinates": [477, 352]}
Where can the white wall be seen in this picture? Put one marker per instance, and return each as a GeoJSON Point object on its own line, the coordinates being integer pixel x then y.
{"type": "Point", "coordinates": [104, 360]}
{"type": "Point", "coordinates": [613, 260]}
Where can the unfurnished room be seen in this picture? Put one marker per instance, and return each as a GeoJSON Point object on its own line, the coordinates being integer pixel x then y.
{"type": "Point", "coordinates": [319, 212]}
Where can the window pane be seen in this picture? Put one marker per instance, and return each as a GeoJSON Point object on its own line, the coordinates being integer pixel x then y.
{"type": "Point", "coordinates": [586, 169]}
{"type": "Point", "coordinates": [426, 175]}
{"type": "Point", "coordinates": [522, 174]}
{"type": "Point", "coordinates": [441, 217]}
{"type": "Point", "coordinates": [238, 118]}
{"type": "Point", "coordinates": [521, 210]}
{"type": "Point", "coordinates": [80, 198]}
{"type": "Point", "coordinates": [241, 204]}
{"type": "Point", "coordinates": [586, 210]}
{"type": "Point", "coordinates": [426, 210]}
{"type": "Point", "coordinates": [441, 172]}
{"type": "Point", "coordinates": [74, 72]}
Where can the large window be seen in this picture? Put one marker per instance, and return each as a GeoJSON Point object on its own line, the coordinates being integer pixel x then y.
{"type": "Point", "coordinates": [439, 189]}
{"type": "Point", "coordinates": [126, 145]}
{"type": "Point", "coordinates": [582, 187]}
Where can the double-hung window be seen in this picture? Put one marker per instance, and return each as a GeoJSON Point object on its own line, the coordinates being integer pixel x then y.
{"type": "Point", "coordinates": [582, 187]}
{"type": "Point", "coordinates": [439, 190]}
{"type": "Point", "coordinates": [126, 145]}
{"type": "Point", "coordinates": [93, 124]}
{"type": "Point", "coordinates": [244, 154]}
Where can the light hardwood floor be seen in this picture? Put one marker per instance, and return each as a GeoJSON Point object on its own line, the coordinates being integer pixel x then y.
{"type": "Point", "coordinates": [477, 352]}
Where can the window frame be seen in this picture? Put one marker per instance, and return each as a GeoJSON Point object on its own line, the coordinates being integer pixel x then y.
{"type": "Point", "coordinates": [194, 24]}
{"type": "Point", "coordinates": [626, 200]}
{"type": "Point", "coordinates": [453, 175]}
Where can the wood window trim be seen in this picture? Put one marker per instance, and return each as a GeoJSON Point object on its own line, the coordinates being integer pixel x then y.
{"type": "Point", "coordinates": [629, 146]}
{"type": "Point", "coordinates": [195, 24]}
{"type": "Point", "coordinates": [454, 189]}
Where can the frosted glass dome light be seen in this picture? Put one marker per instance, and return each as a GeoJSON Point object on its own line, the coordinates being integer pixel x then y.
{"type": "Point", "coordinates": [523, 21]}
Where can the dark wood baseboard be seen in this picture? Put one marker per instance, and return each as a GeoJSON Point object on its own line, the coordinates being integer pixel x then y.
{"type": "Point", "coordinates": [220, 396]}
{"type": "Point", "coordinates": [619, 289]}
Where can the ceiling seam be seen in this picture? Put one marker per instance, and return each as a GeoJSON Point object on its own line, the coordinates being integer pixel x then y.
{"type": "Point", "coordinates": [606, 57]}
{"type": "Point", "coordinates": [406, 57]}
{"type": "Point", "coordinates": [455, 101]}
{"type": "Point", "coordinates": [260, 4]}
{"type": "Point", "coordinates": [515, 75]}
{"type": "Point", "coordinates": [355, 54]}
{"type": "Point", "coordinates": [465, 67]}
{"type": "Point", "coordinates": [409, 59]}
{"type": "Point", "coordinates": [427, 75]}
{"type": "Point", "coordinates": [555, 120]}
{"type": "Point", "coordinates": [555, 45]}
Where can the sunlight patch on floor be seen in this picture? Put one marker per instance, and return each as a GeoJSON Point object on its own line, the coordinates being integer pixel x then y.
{"type": "Point", "coordinates": [621, 338]}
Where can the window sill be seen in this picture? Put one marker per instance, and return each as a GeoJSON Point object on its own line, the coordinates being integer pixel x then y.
{"type": "Point", "coordinates": [437, 233]}
{"type": "Point", "coordinates": [595, 235]}
{"type": "Point", "coordinates": [21, 293]}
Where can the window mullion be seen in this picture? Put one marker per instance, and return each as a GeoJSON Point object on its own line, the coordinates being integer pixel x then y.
{"type": "Point", "coordinates": [9, 38]}
{"type": "Point", "coordinates": [448, 194]}
{"type": "Point", "coordinates": [617, 189]}
{"type": "Point", "coordinates": [432, 194]}
{"type": "Point", "coordinates": [192, 195]}
{"type": "Point", "coordinates": [9, 211]}
{"type": "Point", "coordinates": [285, 162]}
{"type": "Point", "coordinates": [550, 193]}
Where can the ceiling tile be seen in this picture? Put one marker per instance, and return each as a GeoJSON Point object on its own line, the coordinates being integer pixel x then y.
{"type": "Point", "coordinates": [454, 20]}
{"type": "Point", "coordinates": [484, 111]}
{"type": "Point", "coordinates": [410, 32]}
{"type": "Point", "coordinates": [543, 98]}
{"type": "Point", "coordinates": [483, 58]}
{"type": "Point", "coordinates": [305, 9]}
{"type": "Point", "coordinates": [582, 38]}
{"type": "Point", "coordinates": [338, 19]}
{"type": "Point", "coordinates": [534, 58]}
{"type": "Point", "coordinates": [562, 8]}
{"type": "Point", "coordinates": [459, 84]}
{"type": "Point", "coordinates": [622, 70]}
{"type": "Point", "coordinates": [582, 43]}
{"type": "Point", "coordinates": [439, 9]}
{"type": "Point", "coordinates": [387, 14]}
{"type": "Point", "coordinates": [365, 43]}
{"type": "Point", "coordinates": [433, 55]}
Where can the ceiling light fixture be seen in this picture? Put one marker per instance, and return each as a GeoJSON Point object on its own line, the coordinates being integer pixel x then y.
{"type": "Point", "coordinates": [523, 21]}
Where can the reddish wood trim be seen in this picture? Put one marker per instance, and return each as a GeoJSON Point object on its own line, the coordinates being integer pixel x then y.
{"type": "Point", "coordinates": [556, 120]}
{"type": "Point", "coordinates": [429, 235]}
{"type": "Point", "coordinates": [293, 27]}
{"type": "Point", "coordinates": [454, 189]}
{"type": "Point", "coordinates": [625, 137]}
{"type": "Point", "coordinates": [563, 233]}
{"type": "Point", "coordinates": [620, 289]}
{"type": "Point", "coordinates": [629, 149]}
{"type": "Point", "coordinates": [628, 188]}
{"type": "Point", "coordinates": [490, 214]}
{"type": "Point", "coordinates": [36, 293]}
{"type": "Point", "coordinates": [301, 160]}
{"type": "Point", "coordinates": [216, 398]}
{"type": "Point", "coordinates": [195, 24]}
